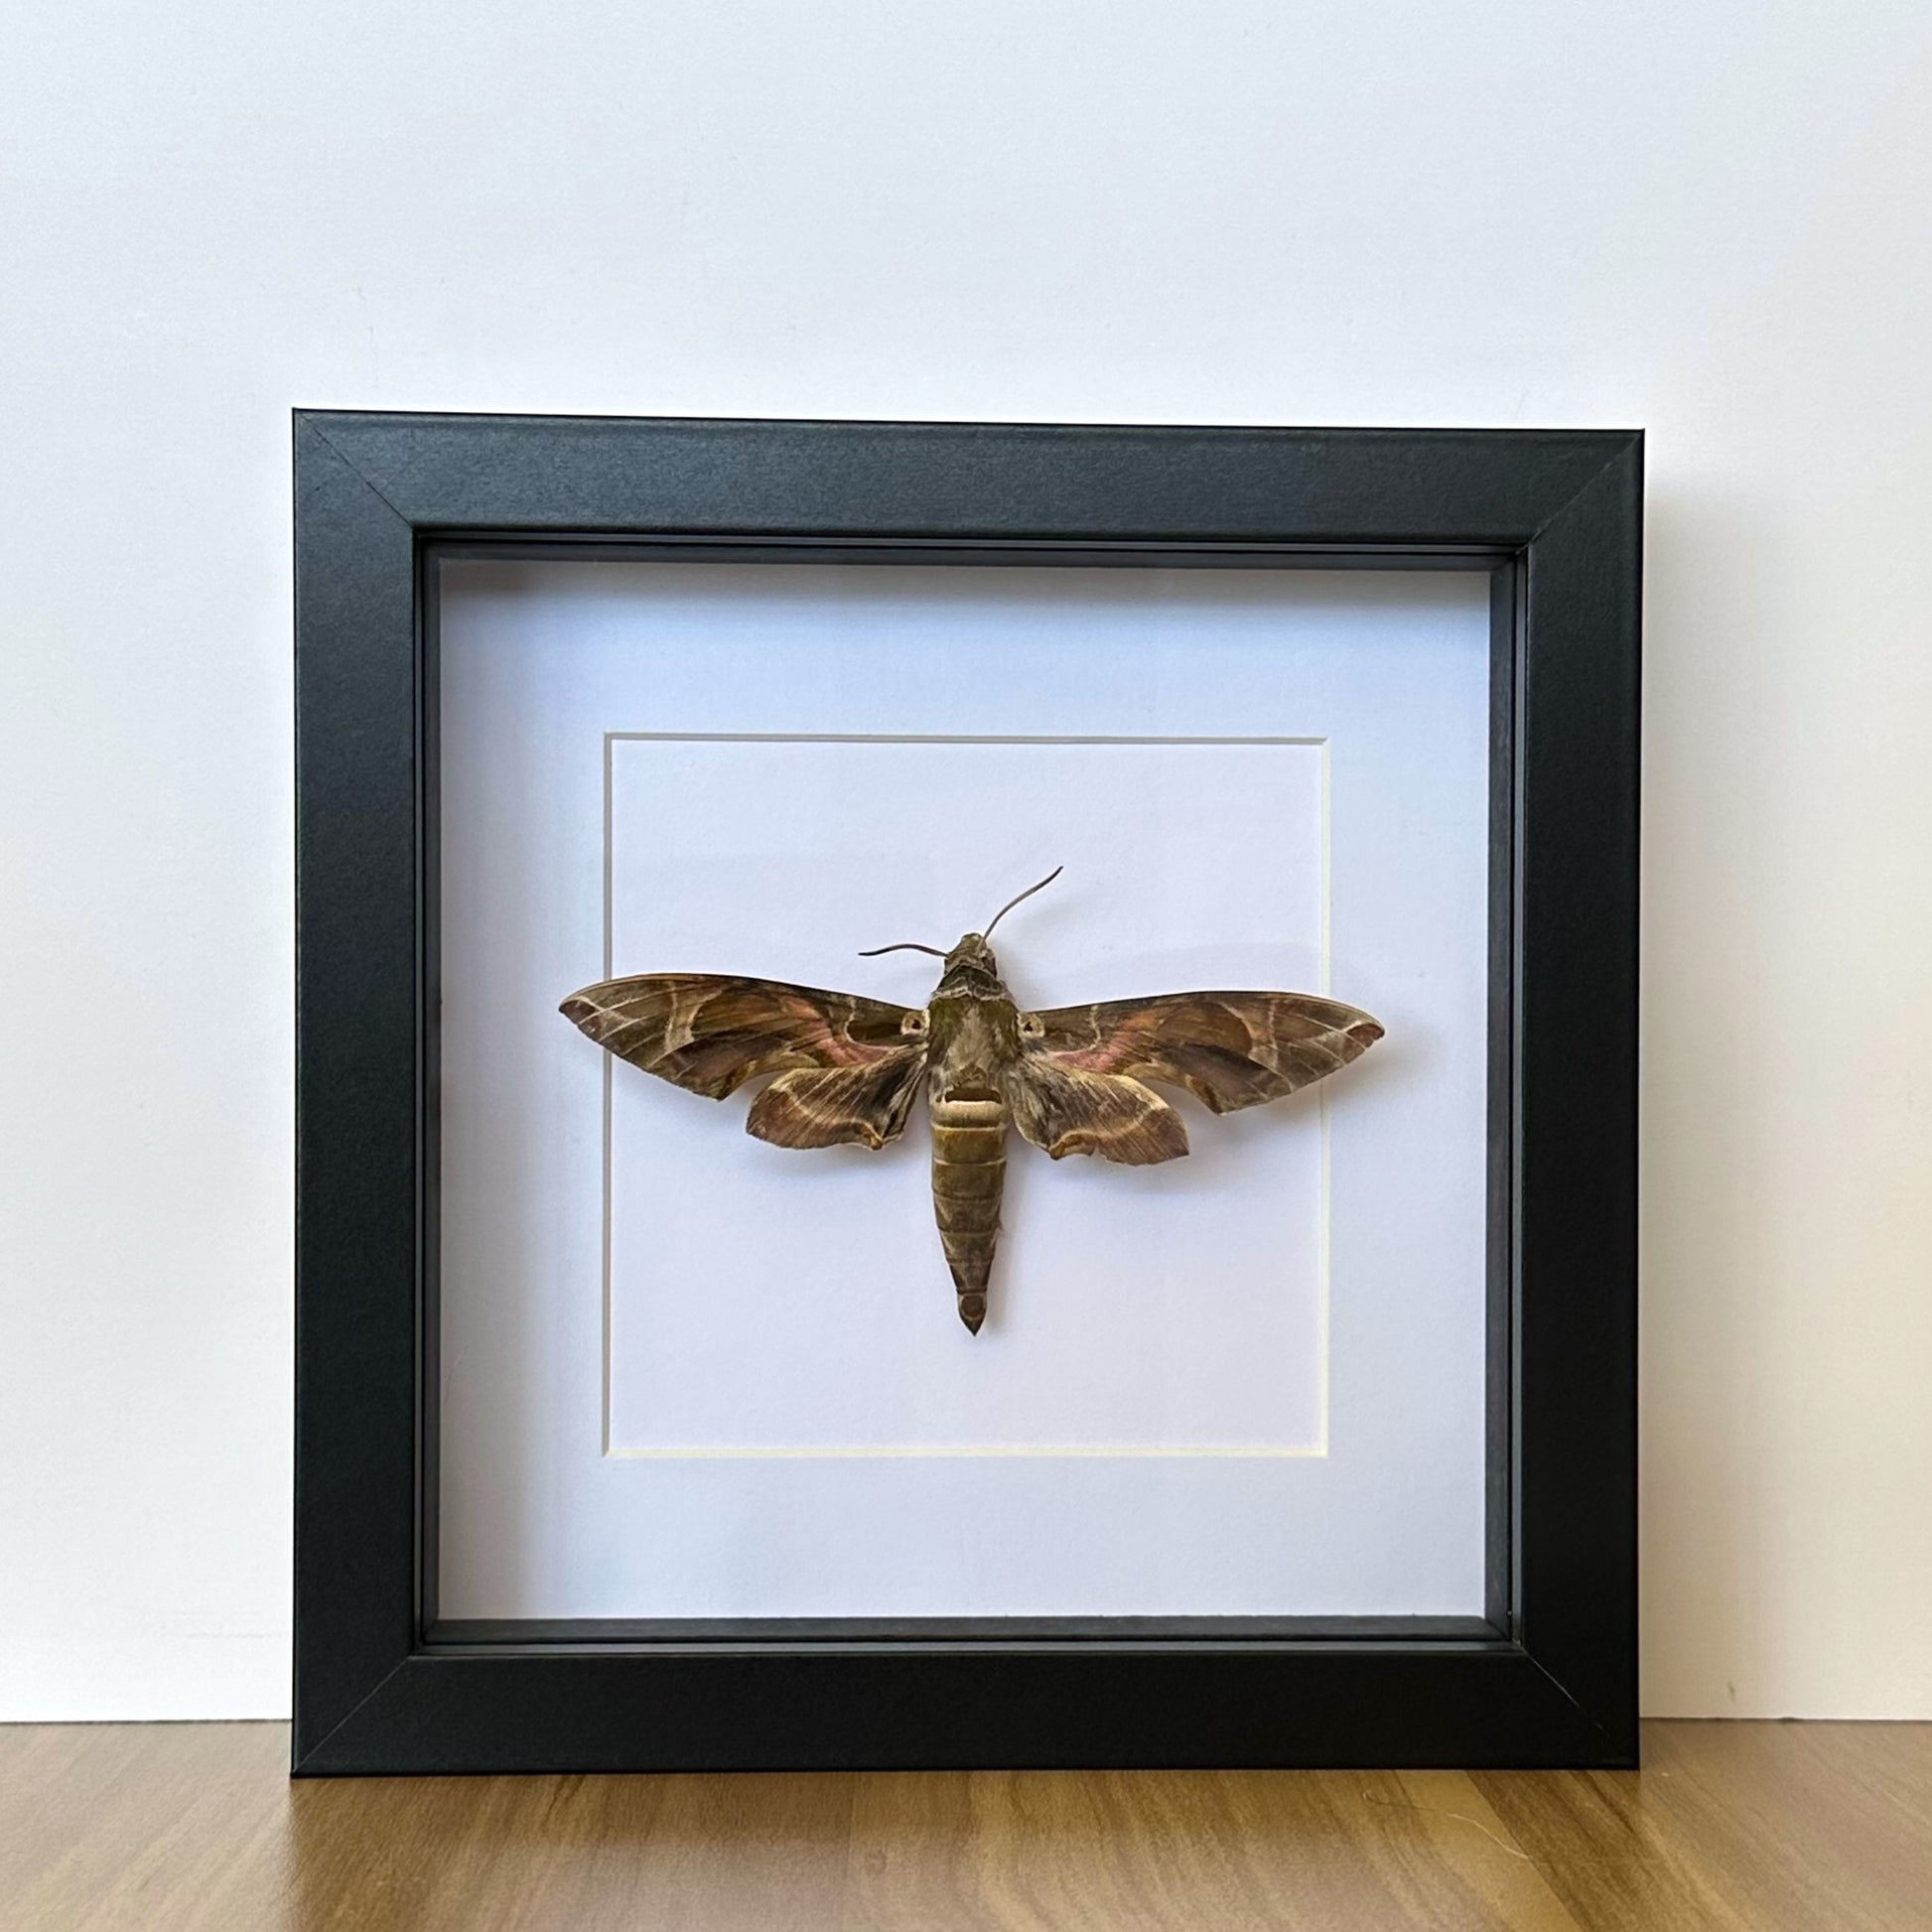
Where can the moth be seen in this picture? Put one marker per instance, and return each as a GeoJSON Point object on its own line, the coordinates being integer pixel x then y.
{"type": "Point", "coordinates": [1071, 1081]}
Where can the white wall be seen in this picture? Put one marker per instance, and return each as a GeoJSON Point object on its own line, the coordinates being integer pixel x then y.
{"type": "Point", "coordinates": [1709, 220]}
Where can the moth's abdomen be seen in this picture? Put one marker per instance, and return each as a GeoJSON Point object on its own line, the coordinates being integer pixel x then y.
{"type": "Point", "coordinates": [969, 1171]}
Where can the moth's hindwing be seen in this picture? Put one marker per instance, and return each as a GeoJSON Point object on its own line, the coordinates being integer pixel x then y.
{"type": "Point", "coordinates": [1079, 1081]}
{"type": "Point", "coordinates": [850, 1066]}
{"type": "Point", "coordinates": [1067, 1110]}
{"type": "Point", "coordinates": [866, 1104]}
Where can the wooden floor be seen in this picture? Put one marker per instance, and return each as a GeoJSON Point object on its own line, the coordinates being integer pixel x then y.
{"type": "Point", "coordinates": [1748, 1826]}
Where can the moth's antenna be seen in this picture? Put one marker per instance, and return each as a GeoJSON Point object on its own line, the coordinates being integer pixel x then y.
{"type": "Point", "coordinates": [905, 945]}
{"type": "Point", "coordinates": [1011, 902]}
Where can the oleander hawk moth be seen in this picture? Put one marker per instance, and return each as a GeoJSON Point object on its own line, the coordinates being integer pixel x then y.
{"type": "Point", "coordinates": [1071, 1081]}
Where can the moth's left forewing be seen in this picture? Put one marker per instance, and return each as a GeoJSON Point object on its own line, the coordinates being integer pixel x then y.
{"type": "Point", "coordinates": [1229, 1049]}
{"type": "Point", "coordinates": [710, 1032]}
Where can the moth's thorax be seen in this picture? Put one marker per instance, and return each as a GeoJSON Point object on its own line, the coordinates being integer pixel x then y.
{"type": "Point", "coordinates": [973, 1026]}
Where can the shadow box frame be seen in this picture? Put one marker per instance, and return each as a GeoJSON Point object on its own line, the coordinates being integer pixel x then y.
{"type": "Point", "coordinates": [1547, 1676]}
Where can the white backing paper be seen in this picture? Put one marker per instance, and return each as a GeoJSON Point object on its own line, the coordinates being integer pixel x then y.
{"type": "Point", "coordinates": [686, 1373]}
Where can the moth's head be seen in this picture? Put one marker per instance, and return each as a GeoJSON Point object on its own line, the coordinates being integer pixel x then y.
{"type": "Point", "coordinates": [973, 951]}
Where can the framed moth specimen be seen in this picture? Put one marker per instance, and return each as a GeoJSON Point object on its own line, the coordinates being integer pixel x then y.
{"type": "Point", "coordinates": [1071, 1081]}
{"type": "Point", "coordinates": [627, 1438]}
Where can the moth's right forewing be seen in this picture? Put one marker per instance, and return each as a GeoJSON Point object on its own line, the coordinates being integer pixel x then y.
{"type": "Point", "coordinates": [1228, 1049]}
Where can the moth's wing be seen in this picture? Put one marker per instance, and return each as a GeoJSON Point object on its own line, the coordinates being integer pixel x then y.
{"type": "Point", "coordinates": [1068, 1110]}
{"type": "Point", "coordinates": [1228, 1049]}
{"type": "Point", "coordinates": [710, 1034]}
{"type": "Point", "coordinates": [866, 1104]}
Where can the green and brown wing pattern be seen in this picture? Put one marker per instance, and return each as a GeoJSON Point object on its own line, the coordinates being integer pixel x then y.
{"type": "Point", "coordinates": [867, 1105]}
{"type": "Point", "coordinates": [848, 1067]}
{"type": "Point", "coordinates": [1081, 1067]}
{"type": "Point", "coordinates": [1067, 1110]}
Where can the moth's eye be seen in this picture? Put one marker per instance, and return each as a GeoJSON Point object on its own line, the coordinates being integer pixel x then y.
{"type": "Point", "coordinates": [913, 1023]}
{"type": "Point", "coordinates": [1030, 1027]}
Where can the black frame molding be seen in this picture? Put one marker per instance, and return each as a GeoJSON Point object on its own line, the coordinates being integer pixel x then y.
{"type": "Point", "coordinates": [1547, 1678]}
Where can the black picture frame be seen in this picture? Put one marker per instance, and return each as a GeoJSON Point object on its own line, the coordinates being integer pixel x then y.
{"type": "Point", "coordinates": [1547, 1677]}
